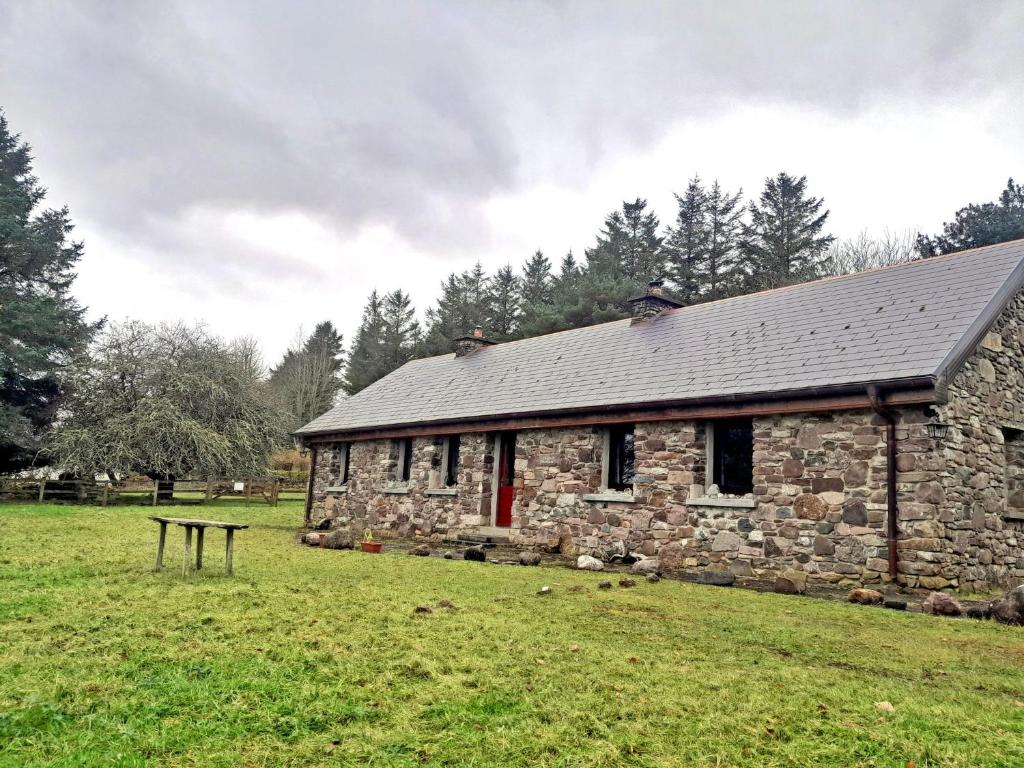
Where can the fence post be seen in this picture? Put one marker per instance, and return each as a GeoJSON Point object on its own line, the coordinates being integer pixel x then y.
{"type": "Point", "coordinates": [106, 487]}
{"type": "Point", "coordinates": [42, 489]}
{"type": "Point", "coordinates": [277, 489]}
{"type": "Point", "coordinates": [156, 491]}
{"type": "Point", "coordinates": [209, 490]}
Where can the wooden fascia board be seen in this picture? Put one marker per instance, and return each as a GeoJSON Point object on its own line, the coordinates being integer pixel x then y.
{"type": "Point", "coordinates": [847, 402]}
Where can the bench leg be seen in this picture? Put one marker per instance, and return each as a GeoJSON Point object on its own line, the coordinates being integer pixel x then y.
{"type": "Point", "coordinates": [199, 548]}
{"type": "Point", "coordinates": [230, 549]}
{"type": "Point", "coordinates": [186, 561]}
{"type": "Point", "coordinates": [160, 547]}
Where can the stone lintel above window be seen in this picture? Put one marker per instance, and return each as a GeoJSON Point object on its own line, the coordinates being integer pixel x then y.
{"type": "Point", "coordinates": [337, 489]}
{"type": "Point", "coordinates": [441, 492]}
{"type": "Point", "coordinates": [722, 501]}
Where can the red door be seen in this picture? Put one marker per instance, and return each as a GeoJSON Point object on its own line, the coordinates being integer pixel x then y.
{"type": "Point", "coordinates": [506, 472]}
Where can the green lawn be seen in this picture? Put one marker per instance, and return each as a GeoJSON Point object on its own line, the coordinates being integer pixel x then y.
{"type": "Point", "coordinates": [313, 657]}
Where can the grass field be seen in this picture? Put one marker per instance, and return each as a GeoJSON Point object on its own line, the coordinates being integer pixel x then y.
{"type": "Point", "coordinates": [313, 657]}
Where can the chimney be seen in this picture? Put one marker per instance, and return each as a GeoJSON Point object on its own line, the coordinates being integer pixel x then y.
{"type": "Point", "coordinates": [652, 303]}
{"type": "Point", "coordinates": [471, 343]}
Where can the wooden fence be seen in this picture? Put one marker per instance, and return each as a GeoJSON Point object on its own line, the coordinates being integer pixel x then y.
{"type": "Point", "coordinates": [153, 492]}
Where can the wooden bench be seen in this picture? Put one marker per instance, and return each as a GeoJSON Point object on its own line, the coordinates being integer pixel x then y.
{"type": "Point", "coordinates": [200, 526]}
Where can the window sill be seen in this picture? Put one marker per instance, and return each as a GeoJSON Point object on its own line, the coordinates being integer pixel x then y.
{"type": "Point", "coordinates": [337, 489]}
{"type": "Point", "coordinates": [399, 489]}
{"type": "Point", "coordinates": [610, 496]}
{"type": "Point", "coordinates": [722, 501]}
{"type": "Point", "coordinates": [441, 492]}
{"type": "Point", "coordinates": [1014, 516]}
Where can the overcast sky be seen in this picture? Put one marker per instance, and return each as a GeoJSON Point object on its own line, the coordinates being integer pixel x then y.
{"type": "Point", "coordinates": [264, 165]}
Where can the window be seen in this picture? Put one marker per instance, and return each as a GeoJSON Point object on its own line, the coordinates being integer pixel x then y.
{"type": "Point", "coordinates": [444, 462]}
{"type": "Point", "coordinates": [402, 454]}
{"type": "Point", "coordinates": [1013, 447]}
{"type": "Point", "coordinates": [731, 455]}
{"type": "Point", "coordinates": [451, 465]}
{"type": "Point", "coordinates": [338, 467]}
{"type": "Point", "coordinates": [620, 461]}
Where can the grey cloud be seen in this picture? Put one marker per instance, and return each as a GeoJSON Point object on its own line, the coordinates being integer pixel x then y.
{"type": "Point", "coordinates": [411, 114]}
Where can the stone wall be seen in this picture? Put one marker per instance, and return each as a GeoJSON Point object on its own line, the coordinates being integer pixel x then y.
{"type": "Point", "coordinates": [818, 503]}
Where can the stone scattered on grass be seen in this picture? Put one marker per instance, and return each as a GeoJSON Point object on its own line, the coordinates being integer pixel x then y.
{"type": "Point", "coordinates": [653, 578]}
{"type": "Point", "coordinates": [529, 558]}
{"type": "Point", "coordinates": [420, 550]}
{"type": "Point", "coordinates": [645, 566]}
{"type": "Point", "coordinates": [577, 588]}
{"type": "Point", "coordinates": [502, 598]}
{"type": "Point", "coordinates": [626, 583]}
{"type": "Point", "coordinates": [449, 555]}
{"type": "Point", "coordinates": [338, 539]}
{"type": "Point", "coordinates": [423, 609]}
{"type": "Point", "coordinates": [791, 582]}
{"type": "Point", "coordinates": [1009, 609]}
{"type": "Point", "coordinates": [716, 578]}
{"type": "Point", "coordinates": [894, 604]}
{"type": "Point", "coordinates": [941, 604]}
{"type": "Point", "coordinates": [980, 611]}
{"type": "Point", "coordinates": [866, 596]}
{"type": "Point", "coordinates": [604, 585]}
{"type": "Point", "coordinates": [588, 563]}
{"type": "Point", "coordinates": [545, 590]}
{"type": "Point", "coordinates": [446, 604]}
{"type": "Point", "coordinates": [885, 706]}
{"type": "Point", "coordinates": [312, 539]}
{"type": "Point", "coordinates": [477, 553]}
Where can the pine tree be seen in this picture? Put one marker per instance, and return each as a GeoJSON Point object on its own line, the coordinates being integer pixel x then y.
{"type": "Point", "coordinates": [686, 242]}
{"type": "Point", "coordinates": [365, 363]}
{"type": "Point", "coordinates": [978, 225]}
{"type": "Point", "coordinates": [400, 332]}
{"type": "Point", "coordinates": [42, 327]}
{"type": "Point", "coordinates": [629, 246]}
{"type": "Point", "coordinates": [718, 270]}
{"type": "Point", "coordinates": [308, 378]}
{"type": "Point", "coordinates": [783, 241]}
{"type": "Point", "coordinates": [461, 307]}
{"type": "Point", "coordinates": [503, 308]}
{"type": "Point", "coordinates": [536, 296]}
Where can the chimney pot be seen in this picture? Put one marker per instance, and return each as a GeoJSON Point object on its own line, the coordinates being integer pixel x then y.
{"type": "Point", "coordinates": [653, 302]}
{"type": "Point", "coordinates": [478, 332]}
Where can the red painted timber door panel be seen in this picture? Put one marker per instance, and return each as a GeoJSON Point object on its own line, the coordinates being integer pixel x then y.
{"type": "Point", "coordinates": [506, 473]}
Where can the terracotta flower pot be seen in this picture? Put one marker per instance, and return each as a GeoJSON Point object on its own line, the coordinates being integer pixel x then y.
{"type": "Point", "coordinates": [370, 546]}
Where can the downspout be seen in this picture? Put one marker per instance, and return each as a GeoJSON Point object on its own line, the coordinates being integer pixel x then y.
{"type": "Point", "coordinates": [309, 485]}
{"type": "Point", "coordinates": [892, 527]}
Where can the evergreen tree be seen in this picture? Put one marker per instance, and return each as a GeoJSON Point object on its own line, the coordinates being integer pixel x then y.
{"type": "Point", "coordinates": [503, 308]}
{"type": "Point", "coordinates": [42, 327]}
{"type": "Point", "coordinates": [686, 243]}
{"type": "Point", "coordinates": [978, 225]}
{"type": "Point", "coordinates": [628, 247]}
{"type": "Point", "coordinates": [535, 284]}
{"type": "Point", "coordinates": [365, 362]}
{"type": "Point", "coordinates": [308, 378]}
{"type": "Point", "coordinates": [783, 241]}
{"type": "Point", "coordinates": [718, 272]}
{"type": "Point", "coordinates": [400, 332]}
{"type": "Point", "coordinates": [461, 307]}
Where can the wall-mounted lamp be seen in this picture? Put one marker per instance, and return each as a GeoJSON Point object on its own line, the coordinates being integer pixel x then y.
{"type": "Point", "coordinates": [936, 429]}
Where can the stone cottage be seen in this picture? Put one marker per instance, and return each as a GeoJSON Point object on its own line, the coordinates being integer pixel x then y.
{"type": "Point", "coordinates": [862, 429]}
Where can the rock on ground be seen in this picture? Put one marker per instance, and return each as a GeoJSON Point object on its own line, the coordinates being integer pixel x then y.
{"type": "Point", "coordinates": [941, 604]}
{"type": "Point", "coordinates": [981, 611]}
{"type": "Point", "coordinates": [1009, 609]}
{"type": "Point", "coordinates": [529, 558]}
{"type": "Point", "coordinates": [324, 524]}
{"type": "Point", "coordinates": [339, 539]}
{"type": "Point", "coordinates": [604, 585]}
{"type": "Point", "coordinates": [716, 578]}
{"type": "Point", "coordinates": [588, 563]}
{"type": "Point", "coordinates": [865, 596]}
{"type": "Point", "coordinates": [627, 583]}
{"type": "Point", "coordinates": [312, 539]}
{"type": "Point", "coordinates": [449, 555]}
{"type": "Point", "coordinates": [477, 553]}
{"type": "Point", "coordinates": [653, 578]}
{"type": "Point", "coordinates": [544, 590]}
{"type": "Point", "coordinates": [894, 604]}
{"type": "Point", "coordinates": [648, 565]}
{"type": "Point", "coordinates": [423, 609]}
{"type": "Point", "coordinates": [420, 550]}
{"type": "Point", "coordinates": [791, 582]}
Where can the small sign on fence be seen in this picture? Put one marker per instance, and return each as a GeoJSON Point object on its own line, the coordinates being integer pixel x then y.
{"type": "Point", "coordinates": [239, 486]}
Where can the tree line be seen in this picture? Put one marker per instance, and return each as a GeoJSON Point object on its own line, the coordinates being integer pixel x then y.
{"type": "Point", "coordinates": [171, 400]}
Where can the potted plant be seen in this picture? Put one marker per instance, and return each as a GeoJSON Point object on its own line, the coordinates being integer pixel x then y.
{"type": "Point", "coordinates": [368, 544]}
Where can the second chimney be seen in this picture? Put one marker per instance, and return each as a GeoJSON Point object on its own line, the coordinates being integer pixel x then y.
{"type": "Point", "coordinates": [472, 342]}
{"type": "Point", "coordinates": [652, 303]}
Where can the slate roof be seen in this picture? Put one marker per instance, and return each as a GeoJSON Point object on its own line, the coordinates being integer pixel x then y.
{"type": "Point", "coordinates": [906, 322]}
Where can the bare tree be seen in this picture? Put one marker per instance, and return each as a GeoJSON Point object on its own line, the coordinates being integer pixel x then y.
{"type": "Point", "coordinates": [864, 252]}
